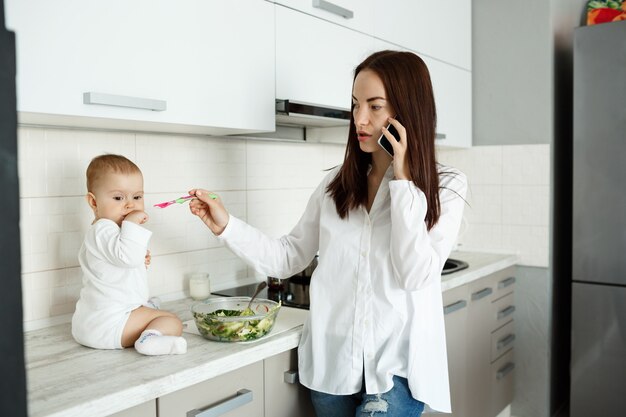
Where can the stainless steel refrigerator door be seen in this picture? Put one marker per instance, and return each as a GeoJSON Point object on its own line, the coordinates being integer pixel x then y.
{"type": "Point", "coordinates": [599, 177]}
{"type": "Point", "coordinates": [598, 371]}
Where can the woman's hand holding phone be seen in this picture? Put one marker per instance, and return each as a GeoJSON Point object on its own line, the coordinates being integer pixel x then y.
{"type": "Point", "coordinates": [398, 146]}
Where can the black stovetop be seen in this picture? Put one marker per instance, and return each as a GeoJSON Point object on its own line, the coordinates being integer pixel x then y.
{"type": "Point", "coordinates": [287, 298]}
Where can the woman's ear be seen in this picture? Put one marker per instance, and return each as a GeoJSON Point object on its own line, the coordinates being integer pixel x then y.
{"type": "Point", "coordinates": [91, 200]}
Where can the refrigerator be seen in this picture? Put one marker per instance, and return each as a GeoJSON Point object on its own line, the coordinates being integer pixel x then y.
{"type": "Point", "coordinates": [598, 337]}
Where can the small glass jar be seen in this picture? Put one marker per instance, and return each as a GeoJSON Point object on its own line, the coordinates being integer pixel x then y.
{"type": "Point", "coordinates": [199, 286]}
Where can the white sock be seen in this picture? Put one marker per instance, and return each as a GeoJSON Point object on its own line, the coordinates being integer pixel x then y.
{"type": "Point", "coordinates": [152, 342]}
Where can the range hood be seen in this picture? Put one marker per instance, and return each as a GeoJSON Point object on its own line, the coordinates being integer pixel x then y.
{"type": "Point", "coordinates": [295, 113]}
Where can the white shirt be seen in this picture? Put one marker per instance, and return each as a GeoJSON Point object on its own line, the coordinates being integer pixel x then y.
{"type": "Point", "coordinates": [376, 303]}
{"type": "Point", "coordinates": [115, 281]}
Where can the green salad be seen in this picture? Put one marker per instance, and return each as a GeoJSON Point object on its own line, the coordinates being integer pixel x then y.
{"type": "Point", "coordinates": [214, 326]}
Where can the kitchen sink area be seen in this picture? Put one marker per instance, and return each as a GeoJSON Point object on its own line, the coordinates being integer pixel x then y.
{"type": "Point", "coordinates": [453, 265]}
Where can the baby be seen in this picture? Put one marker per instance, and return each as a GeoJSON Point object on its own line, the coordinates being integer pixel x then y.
{"type": "Point", "coordinates": [113, 310]}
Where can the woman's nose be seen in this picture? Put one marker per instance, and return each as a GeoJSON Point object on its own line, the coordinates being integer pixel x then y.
{"type": "Point", "coordinates": [360, 117]}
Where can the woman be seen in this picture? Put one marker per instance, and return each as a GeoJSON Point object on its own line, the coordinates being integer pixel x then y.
{"type": "Point", "coordinates": [383, 226]}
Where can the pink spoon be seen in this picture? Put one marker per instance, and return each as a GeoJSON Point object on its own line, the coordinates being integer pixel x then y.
{"type": "Point", "coordinates": [180, 200]}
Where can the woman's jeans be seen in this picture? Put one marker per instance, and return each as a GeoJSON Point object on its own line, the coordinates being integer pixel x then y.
{"type": "Point", "coordinates": [395, 403]}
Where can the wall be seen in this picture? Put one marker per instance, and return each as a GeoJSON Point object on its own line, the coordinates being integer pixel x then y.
{"type": "Point", "coordinates": [512, 63]}
{"type": "Point", "coordinates": [267, 183]}
{"type": "Point", "coordinates": [508, 199]}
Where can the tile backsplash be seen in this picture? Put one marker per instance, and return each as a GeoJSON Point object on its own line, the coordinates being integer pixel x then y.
{"type": "Point", "coordinates": [508, 199]}
{"type": "Point", "coordinates": [266, 183]}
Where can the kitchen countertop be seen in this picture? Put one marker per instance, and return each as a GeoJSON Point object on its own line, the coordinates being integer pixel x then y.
{"type": "Point", "coordinates": [66, 379]}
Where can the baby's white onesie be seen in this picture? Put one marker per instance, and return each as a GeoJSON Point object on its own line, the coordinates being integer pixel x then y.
{"type": "Point", "coordinates": [115, 282]}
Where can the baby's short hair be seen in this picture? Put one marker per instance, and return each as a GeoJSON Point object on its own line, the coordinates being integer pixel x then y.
{"type": "Point", "coordinates": [108, 163]}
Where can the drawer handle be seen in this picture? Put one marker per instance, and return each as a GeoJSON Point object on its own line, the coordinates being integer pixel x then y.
{"type": "Point", "coordinates": [290, 377]}
{"type": "Point", "coordinates": [506, 312]}
{"type": "Point", "coordinates": [451, 308]}
{"type": "Point", "coordinates": [124, 101]}
{"type": "Point", "coordinates": [244, 396]}
{"type": "Point", "coordinates": [481, 294]}
{"type": "Point", "coordinates": [505, 341]}
{"type": "Point", "coordinates": [506, 282]}
{"type": "Point", "coordinates": [502, 372]}
{"type": "Point", "coordinates": [440, 136]}
{"type": "Point", "coordinates": [333, 8]}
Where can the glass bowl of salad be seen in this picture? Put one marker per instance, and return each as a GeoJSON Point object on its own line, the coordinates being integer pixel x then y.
{"type": "Point", "coordinates": [229, 320]}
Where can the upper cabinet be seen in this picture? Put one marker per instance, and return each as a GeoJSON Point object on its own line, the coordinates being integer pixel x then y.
{"type": "Point", "coordinates": [453, 99]}
{"type": "Point", "coordinates": [452, 87]}
{"type": "Point", "coordinates": [438, 29]}
{"type": "Point", "coordinates": [315, 59]}
{"type": "Point", "coordinates": [354, 14]}
{"type": "Point", "coordinates": [194, 66]}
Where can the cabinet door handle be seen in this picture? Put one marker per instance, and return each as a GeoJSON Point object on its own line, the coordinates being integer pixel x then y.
{"type": "Point", "coordinates": [481, 294]}
{"type": "Point", "coordinates": [244, 396]}
{"type": "Point", "coordinates": [502, 372]}
{"type": "Point", "coordinates": [505, 341]}
{"type": "Point", "coordinates": [506, 312]}
{"type": "Point", "coordinates": [124, 101]}
{"type": "Point", "coordinates": [333, 8]}
{"type": "Point", "coordinates": [290, 377]}
{"type": "Point", "coordinates": [506, 282]}
{"type": "Point", "coordinates": [451, 308]}
{"type": "Point", "coordinates": [440, 136]}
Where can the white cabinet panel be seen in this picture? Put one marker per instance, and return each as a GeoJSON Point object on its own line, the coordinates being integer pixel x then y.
{"type": "Point", "coordinates": [337, 11]}
{"type": "Point", "coordinates": [442, 30]}
{"type": "Point", "coordinates": [284, 395]}
{"type": "Point", "coordinates": [211, 62]}
{"type": "Point", "coordinates": [239, 391]}
{"type": "Point", "coordinates": [147, 409]}
{"type": "Point", "coordinates": [453, 98]}
{"type": "Point", "coordinates": [315, 60]}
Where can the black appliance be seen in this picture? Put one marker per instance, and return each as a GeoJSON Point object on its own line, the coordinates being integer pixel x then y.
{"type": "Point", "coordinates": [13, 381]}
{"type": "Point", "coordinates": [280, 293]}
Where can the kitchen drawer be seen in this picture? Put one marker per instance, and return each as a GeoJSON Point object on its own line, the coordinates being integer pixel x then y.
{"type": "Point", "coordinates": [504, 282]}
{"type": "Point", "coordinates": [502, 311]}
{"type": "Point", "coordinates": [502, 382]}
{"type": "Point", "coordinates": [502, 340]}
{"type": "Point", "coordinates": [147, 409]}
{"type": "Point", "coordinates": [241, 391]}
{"type": "Point", "coordinates": [284, 395]}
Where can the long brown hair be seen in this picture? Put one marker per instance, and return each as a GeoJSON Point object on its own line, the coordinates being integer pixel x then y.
{"type": "Point", "coordinates": [408, 88]}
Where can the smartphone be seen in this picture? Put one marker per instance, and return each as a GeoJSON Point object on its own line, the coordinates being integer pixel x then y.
{"type": "Point", "coordinates": [384, 143]}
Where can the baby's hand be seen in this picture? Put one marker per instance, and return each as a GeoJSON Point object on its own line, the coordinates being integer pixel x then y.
{"type": "Point", "coordinates": [137, 216]}
{"type": "Point", "coordinates": [148, 259]}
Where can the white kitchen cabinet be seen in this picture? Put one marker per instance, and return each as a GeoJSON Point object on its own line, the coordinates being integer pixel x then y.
{"type": "Point", "coordinates": [453, 98]}
{"type": "Point", "coordinates": [315, 59]}
{"type": "Point", "coordinates": [437, 29]}
{"type": "Point", "coordinates": [210, 63]}
{"type": "Point", "coordinates": [238, 393]}
{"type": "Point", "coordinates": [147, 409]}
{"type": "Point", "coordinates": [455, 315]}
{"type": "Point", "coordinates": [479, 348]}
{"type": "Point", "coordinates": [452, 87]}
{"type": "Point", "coordinates": [284, 395]}
{"type": "Point", "coordinates": [353, 14]}
{"type": "Point", "coordinates": [502, 382]}
{"type": "Point", "coordinates": [480, 342]}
